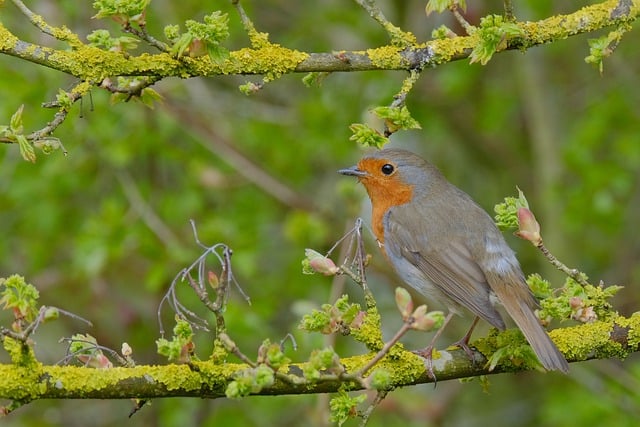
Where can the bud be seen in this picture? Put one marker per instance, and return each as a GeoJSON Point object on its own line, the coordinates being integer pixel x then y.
{"type": "Point", "coordinates": [212, 278]}
{"type": "Point", "coordinates": [404, 302]}
{"type": "Point", "coordinates": [126, 350]}
{"type": "Point", "coordinates": [529, 229]}
{"type": "Point", "coordinates": [357, 321]}
{"type": "Point", "coordinates": [197, 48]}
{"type": "Point", "coordinates": [575, 303]}
{"type": "Point", "coordinates": [319, 263]}
{"type": "Point", "coordinates": [51, 313]}
{"type": "Point", "coordinates": [380, 379]}
{"type": "Point", "coordinates": [426, 322]}
{"type": "Point", "coordinates": [585, 315]}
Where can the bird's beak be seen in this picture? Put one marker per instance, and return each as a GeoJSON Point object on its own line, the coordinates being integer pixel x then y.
{"type": "Point", "coordinates": [353, 171]}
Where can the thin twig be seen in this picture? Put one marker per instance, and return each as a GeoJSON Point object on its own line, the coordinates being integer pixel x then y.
{"type": "Point", "coordinates": [144, 35]}
{"type": "Point", "coordinates": [384, 350]}
{"type": "Point", "coordinates": [376, 401]}
{"type": "Point", "coordinates": [574, 273]}
{"type": "Point", "coordinates": [457, 13]}
{"type": "Point", "coordinates": [508, 11]}
{"type": "Point", "coordinates": [397, 36]}
{"type": "Point", "coordinates": [57, 33]}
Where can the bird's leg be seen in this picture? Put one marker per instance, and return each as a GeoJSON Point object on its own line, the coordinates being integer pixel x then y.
{"type": "Point", "coordinates": [427, 352]}
{"type": "Point", "coordinates": [463, 343]}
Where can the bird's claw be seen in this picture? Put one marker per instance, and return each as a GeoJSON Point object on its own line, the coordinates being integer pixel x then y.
{"type": "Point", "coordinates": [427, 354]}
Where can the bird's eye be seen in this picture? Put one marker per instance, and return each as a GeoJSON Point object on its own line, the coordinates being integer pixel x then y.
{"type": "Point", "coordinates": [387, 169]}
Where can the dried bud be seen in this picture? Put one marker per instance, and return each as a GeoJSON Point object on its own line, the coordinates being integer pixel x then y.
{"type": "Point", "coordinates": [320, 263]}
{"type": "Point", "coordinates": [404, 302]}
{"type": "Point", "coordinates": [529, 227]}
{"type": "Point", "coordinates": [126, 350]}
{"type": "Point", "coordinates": [213, 280]}
{"type": "Point", "coordinates": [585, 315]}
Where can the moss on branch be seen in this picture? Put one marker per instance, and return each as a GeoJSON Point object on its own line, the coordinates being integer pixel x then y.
{"type": "Point", "coordinates": [598, 340]}
{"type": "Point", "coordinates": [93, 64]}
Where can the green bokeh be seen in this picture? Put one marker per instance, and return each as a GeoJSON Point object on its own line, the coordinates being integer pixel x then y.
{"type": "Point", "coordinates": [103, 231]}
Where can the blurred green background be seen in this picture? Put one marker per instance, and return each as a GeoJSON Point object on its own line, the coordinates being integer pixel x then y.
{"type": "Point", "coordinates": [103, 231]}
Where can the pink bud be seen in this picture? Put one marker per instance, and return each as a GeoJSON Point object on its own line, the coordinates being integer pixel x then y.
{"type": "Point", "coordinates": [404, 302]}
{"type": "Point", "coordinates": [529, 227]}
{"type": "Point", "coordinates": [424, 321]}
{"type": "Point", "coordinates": [357, 321]}
{"type": "Point", "coordinates": [321, 264]}
{"type": "Point", "coordinates": [575, 302]}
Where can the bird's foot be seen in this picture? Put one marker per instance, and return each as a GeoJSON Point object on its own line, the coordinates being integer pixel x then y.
{"type": "Point", "coordinates": [427, 354]}
{"type": "Point", "coordinates": [463, 344]}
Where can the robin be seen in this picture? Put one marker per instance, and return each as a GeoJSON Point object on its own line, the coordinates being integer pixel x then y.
{"type": "Point", "coordinates": [446, 247]}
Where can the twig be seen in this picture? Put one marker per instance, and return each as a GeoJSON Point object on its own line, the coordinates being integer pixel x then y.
{"type": "Point", "coordinates": [131, 90]}
{"type": "Point", "coordinates": [93, 346]}
{"type": "Point", "coordinates": [199, 284]}
{"type": "Point", "coordinates": [258, 40]}
{"type": "Point", "coordinates": [457, 13]}
{"type": "Point", "coordinates": [385, 349]}
{"type": "Point", "coordinates": [397, 36]}
{"type": "Point", "coordinates": [508, 11]}
{"type": "Point", "coordinates": [376, 401]}
{"type": "Point", "coordinates": [574, 273]}
{"type": "Point", "coordinates": [57, 33]}
{"type": "Point", "coordinates": [144, 35]}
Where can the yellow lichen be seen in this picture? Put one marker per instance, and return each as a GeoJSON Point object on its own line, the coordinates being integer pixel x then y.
{"type": "Point", "coordinates": [386, 57]}
{"type": "Point", "coordinates": [369, 332]}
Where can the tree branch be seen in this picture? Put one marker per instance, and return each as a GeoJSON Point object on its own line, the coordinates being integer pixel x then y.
{"type": "Point", "coordinates": [93, 64]}
{"type": "Point", "coordinates": [598, 340]}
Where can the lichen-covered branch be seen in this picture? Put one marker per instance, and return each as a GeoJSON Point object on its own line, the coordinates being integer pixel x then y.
{"type": "Point", "coordinates": [93, 64]}
{"type": "Point", "coordinates": [598, 340]}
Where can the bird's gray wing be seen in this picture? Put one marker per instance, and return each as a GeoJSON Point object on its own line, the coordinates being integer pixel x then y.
{"type": "Point", "coordinates": [444, 259]}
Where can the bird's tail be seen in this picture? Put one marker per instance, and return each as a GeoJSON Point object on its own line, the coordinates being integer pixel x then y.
{"type": "Point", "coordinates": [519, 304]}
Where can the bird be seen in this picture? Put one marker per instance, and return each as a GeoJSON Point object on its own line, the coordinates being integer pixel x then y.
{"type": "Point", "coordinates": [441, 243]}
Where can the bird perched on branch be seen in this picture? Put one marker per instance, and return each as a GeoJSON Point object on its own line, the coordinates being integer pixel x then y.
{"type": "Point", "coordinates": [446, 247]}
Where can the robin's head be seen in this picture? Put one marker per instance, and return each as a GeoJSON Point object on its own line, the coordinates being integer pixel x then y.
{"type": "Point", "coordinates": [392, 175]}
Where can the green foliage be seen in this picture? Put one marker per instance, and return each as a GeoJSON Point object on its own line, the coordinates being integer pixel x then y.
{"type": "Point", "coordinates": [121, 10]}
{"type": "Point", "coordinates": [201, 37]}
{"type": "Point", "coordinates": [512, 349]}
{"type": "Point", "coordinates": [181, 346]}
{"type": "Point", "coordinates": [380, 379]}
{"type": "Point", "coordinates": [440, 6]}
{"type": "Point", "coordinates": [13, 133]}
{"type": "Point", "coordinates": [337, 317]}
{"type": "Point", "coordinates": [272, 355]}
{"type": "Point", "coordinates": [494, 33]}
{"type": "Point", "coordinates": [20, 297]}
{"type": "Point", "coordinates": [321, 361]}
{"type": "Point", "coordinates": [366, 136]}
{"type": "Point", "coordinates": [603, 47]}
{"type": "Point", "coordinates": [343, 406]}
{"type": "Point", "coordinates": [396, 118]}
{"type": "Point", "coordinates": [103, 40]}
{"type": "Point", "coordinates": [250, 381]}
{"type": "Point", "coordinates": [506, 217]}
{"type": "Point", "coordinates": [574, 301]}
